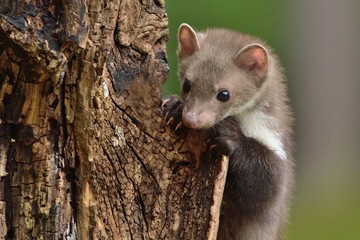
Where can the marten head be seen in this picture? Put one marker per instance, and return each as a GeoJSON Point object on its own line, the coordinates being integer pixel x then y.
{"type": "Point", "coordinates": [221, 73]}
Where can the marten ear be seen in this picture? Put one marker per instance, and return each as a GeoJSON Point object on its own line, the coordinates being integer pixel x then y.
{"type": "Point", "coordinates": [188, 41]}
{"type": "Point", "coordinates": [254, 59]}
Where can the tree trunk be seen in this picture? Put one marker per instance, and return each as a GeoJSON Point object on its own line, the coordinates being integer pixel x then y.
{"type": "Point", "coordinates": [84, 152]}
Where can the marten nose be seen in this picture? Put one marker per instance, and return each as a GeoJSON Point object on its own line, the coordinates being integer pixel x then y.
{"type": "Point", "coordinates": [190, 120]}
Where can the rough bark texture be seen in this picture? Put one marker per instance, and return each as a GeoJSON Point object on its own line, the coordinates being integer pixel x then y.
{"type": "Point", "coordinates": [84, 153]}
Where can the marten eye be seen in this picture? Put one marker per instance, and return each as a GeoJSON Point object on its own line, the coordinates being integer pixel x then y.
{"type": "Point", "coordinates": [223, 96]}
{"type": "Point", "coordinates": [186, 86]}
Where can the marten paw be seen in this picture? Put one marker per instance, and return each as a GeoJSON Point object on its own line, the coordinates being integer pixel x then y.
{"type": "Point", "coordinates": [224, 137]}
{"type": "Point", "coordinates": [221, 146]}
{"type": "Point", "coordinates": [171, 109]}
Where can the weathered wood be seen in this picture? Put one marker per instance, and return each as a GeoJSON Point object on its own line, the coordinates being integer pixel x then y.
{"type": "Point", "coordinates": [84, 152]}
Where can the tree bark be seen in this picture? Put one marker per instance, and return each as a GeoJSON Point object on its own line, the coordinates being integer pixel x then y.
{"type": "Point", "coordinates": [84, 152]}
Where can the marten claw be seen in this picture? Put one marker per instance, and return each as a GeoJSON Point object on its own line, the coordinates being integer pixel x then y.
{"type": "Point", "coordinates": [170, 121]}
{"type": "Point", "coordinates": [179, 125]}
{"type": "Point", "coordinates": [166, 115]}
{"type": "Point", "coordinates": [172, 111]}
{"type": "Point", "coordinates": [163, 105]}
{"type": "Point", "coordinates": [212, 147]}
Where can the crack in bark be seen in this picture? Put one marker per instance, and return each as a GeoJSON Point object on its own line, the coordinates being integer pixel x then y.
{"type": "Point", "coordinates": [142, 207]}
{"type": "Point", "coordinates": [108, 157]}
{"type": "Point", "coordinates": [134, 121]}
{"type": "Point", "coordinates": [63, 122]}
{"type": "Point", "coordinates": [136, 188]}
{"type": "Point", "coordinates": [151, 174]}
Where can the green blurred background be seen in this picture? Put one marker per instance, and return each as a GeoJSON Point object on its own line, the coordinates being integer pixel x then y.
{"type": "Point", "coordinates": [318, 44]}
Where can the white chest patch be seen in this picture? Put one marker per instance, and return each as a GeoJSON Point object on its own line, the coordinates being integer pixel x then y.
{"type": "Point", "coordinates": [261, 127]}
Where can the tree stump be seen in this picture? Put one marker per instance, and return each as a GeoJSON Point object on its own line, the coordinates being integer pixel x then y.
{"type": "Point", "coordinates": [84, 151]}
